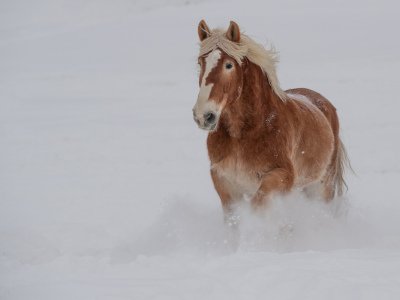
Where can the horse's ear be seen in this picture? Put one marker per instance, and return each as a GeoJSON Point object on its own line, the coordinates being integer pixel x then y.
{"type": "Point", "coordinates": [203, 30]}
{"type": "Point", "coordinates": [233, 32]}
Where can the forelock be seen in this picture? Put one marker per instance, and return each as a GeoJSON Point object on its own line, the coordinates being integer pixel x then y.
{"type": "Point", "coordinates": [256, 53]}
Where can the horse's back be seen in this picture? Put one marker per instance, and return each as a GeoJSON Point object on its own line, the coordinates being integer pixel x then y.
{"type": "Point", "coordinates": [323, 104]}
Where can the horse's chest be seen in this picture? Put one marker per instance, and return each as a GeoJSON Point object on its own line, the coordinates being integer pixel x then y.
{"type": "Point", "coordinates": [238, 177]}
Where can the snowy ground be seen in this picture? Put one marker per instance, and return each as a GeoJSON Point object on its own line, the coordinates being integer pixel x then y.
{"type": "Point", "coordinates": [104, 184]}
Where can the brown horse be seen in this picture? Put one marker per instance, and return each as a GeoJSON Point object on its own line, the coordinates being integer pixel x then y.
{"type": "Point", "coordinates": [262, 140]}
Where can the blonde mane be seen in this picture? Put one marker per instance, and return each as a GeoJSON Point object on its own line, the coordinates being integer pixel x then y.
{"type": "Point", "coordinates": [256, 53]}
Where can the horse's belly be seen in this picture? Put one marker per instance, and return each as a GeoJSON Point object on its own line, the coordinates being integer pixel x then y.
{"type": "Point", "coordinates": [239, 181]}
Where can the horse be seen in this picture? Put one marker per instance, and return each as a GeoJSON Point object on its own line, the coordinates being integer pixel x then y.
{"type": "Point", "coordinates": [263, 141]}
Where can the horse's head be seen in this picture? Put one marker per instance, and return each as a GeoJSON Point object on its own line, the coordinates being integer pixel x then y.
{"type": "Point", "coordinates": [221, 77]}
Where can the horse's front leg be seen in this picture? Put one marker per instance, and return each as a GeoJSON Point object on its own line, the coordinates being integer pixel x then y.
{"type": "Point", "coordinates": [225, 194]}
{"type": "Point", "coordinates": [228, 198]}
{"type": "Point", "coordinates": [279, 180]}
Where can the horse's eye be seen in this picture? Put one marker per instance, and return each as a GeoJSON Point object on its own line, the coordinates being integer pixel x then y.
{"type": "Point", "coordinates": [228, 66]}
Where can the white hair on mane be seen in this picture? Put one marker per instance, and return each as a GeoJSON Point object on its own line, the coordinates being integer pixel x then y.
{"type": "Point", "coordinates": [256, 53]}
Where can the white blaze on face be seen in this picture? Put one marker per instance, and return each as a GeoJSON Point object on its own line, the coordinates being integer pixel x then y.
{"type": "Point", "coordinates": [204, 104]}
{"type": "Point", "coordinates": [211, 61]}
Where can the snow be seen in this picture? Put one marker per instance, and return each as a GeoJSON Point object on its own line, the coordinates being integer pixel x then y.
{"type": "Point", "coordinates": [104, 183]}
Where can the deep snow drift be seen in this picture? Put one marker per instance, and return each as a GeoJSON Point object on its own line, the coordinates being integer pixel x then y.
{"type": "Point", "coordinates": [105, 189]}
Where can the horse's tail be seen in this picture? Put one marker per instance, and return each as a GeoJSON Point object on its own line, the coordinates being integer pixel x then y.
{"type": "Point", "coordinates": [342, 162]}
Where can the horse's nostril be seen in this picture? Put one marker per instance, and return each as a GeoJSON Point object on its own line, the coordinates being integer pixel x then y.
{"type": "Point", "coordinates": [196, 119]}
{"type": "Point", "coordinates": [209, 118]}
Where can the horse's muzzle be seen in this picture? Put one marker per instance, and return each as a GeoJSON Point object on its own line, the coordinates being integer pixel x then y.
{"type": "Point", "coordinates": [207, 122]}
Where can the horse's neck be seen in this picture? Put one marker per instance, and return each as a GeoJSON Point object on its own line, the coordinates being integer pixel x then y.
{"type": "Point", "coordinates": [247, 114]}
